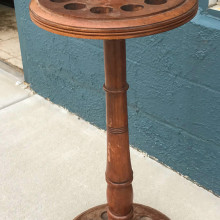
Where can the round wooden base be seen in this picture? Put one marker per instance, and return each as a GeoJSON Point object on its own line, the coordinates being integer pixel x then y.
{"type": "Point", "coordinates": [141, 212]}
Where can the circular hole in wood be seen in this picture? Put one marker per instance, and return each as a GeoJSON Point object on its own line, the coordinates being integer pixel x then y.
{"type": "Point", "coordinates": [101, 10]}
{"type": "Point", "coordinates": [74, 6]}
{"type": "Point", "coordinates": [60, 1]}
{"type": "Point", "coordinates": [145, 218]}
{"type": "Point", "coordinates": [104, 216]}
{"type": "Point", "coordinates": [131, 7]}
{"type": "Point", "coordinates": [155, 2]}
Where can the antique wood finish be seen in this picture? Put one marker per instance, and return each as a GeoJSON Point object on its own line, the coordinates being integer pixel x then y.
{"type": "Point", "coordinates": [112, 19]}
{"type": "Point", "coordinates": [140, 213]}
{"type": "Point", "coordinates": [118, 173]}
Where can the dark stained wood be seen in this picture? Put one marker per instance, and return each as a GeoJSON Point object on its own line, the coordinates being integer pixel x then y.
{"type": "Point", "coordinates": [112, 19]}
{"type": "Point", "coordinates": [119, 174]}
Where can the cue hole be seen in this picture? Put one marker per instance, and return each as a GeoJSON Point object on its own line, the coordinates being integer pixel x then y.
{"type": "Point", "coordinates": [104, 216]}
{"type": "Point", "coordinates": [60, 1]}
{"type": "Point", "coordinates": [145, 218]}
{"type": "Point", "coordinates": [131, 7]}
{"type": "Point", "coordinates": [74, 6]}
{"type": "Point", "coordinates": [155, 2]}
{"type": "Point", "coordinates": [101, 10]}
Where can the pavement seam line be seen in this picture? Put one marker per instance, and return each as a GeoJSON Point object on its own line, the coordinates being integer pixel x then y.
{"type": "Point", "coordinates": [16, 102]}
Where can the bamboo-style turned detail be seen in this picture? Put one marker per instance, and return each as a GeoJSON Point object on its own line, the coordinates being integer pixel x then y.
{"type": "Point", "coordinates": [124, 89]}
{"type": "Point", "coordinates": [126, 183]}
{"type": "Point", "coordinates": [119, 174]}
{"type": "Point", "coordinates": [117, 130]}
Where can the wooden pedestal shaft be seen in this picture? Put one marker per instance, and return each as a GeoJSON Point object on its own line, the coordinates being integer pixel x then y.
{"type": "Point", "coordinates": [118, 173]}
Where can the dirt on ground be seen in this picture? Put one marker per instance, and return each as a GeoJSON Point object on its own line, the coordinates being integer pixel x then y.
{"type": "Point", "coordinates": [7, 18]}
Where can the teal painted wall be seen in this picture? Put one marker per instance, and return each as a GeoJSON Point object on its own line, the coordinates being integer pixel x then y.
{"type": "Point", "coordinates": [174, 95]}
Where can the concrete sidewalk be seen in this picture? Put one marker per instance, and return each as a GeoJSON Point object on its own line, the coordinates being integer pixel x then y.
{"type": "Point", "coordinates": [52, 165]}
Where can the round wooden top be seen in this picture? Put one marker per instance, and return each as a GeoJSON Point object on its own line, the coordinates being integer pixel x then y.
{"type": "Point", "coordinates": [111, 19]}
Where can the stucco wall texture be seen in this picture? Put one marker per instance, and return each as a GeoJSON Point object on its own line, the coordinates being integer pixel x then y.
{"type": "Point", "coordinates": [174, 95]}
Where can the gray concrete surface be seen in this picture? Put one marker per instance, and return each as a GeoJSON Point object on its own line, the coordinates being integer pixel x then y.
{"type": "Point", "coordinates": [52, 166]}
{"type": "Point", "coordinates": [11, 87]}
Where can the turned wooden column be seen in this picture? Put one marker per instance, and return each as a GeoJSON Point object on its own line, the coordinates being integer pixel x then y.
{"type": "Point", "coordinates": [119, 173]}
